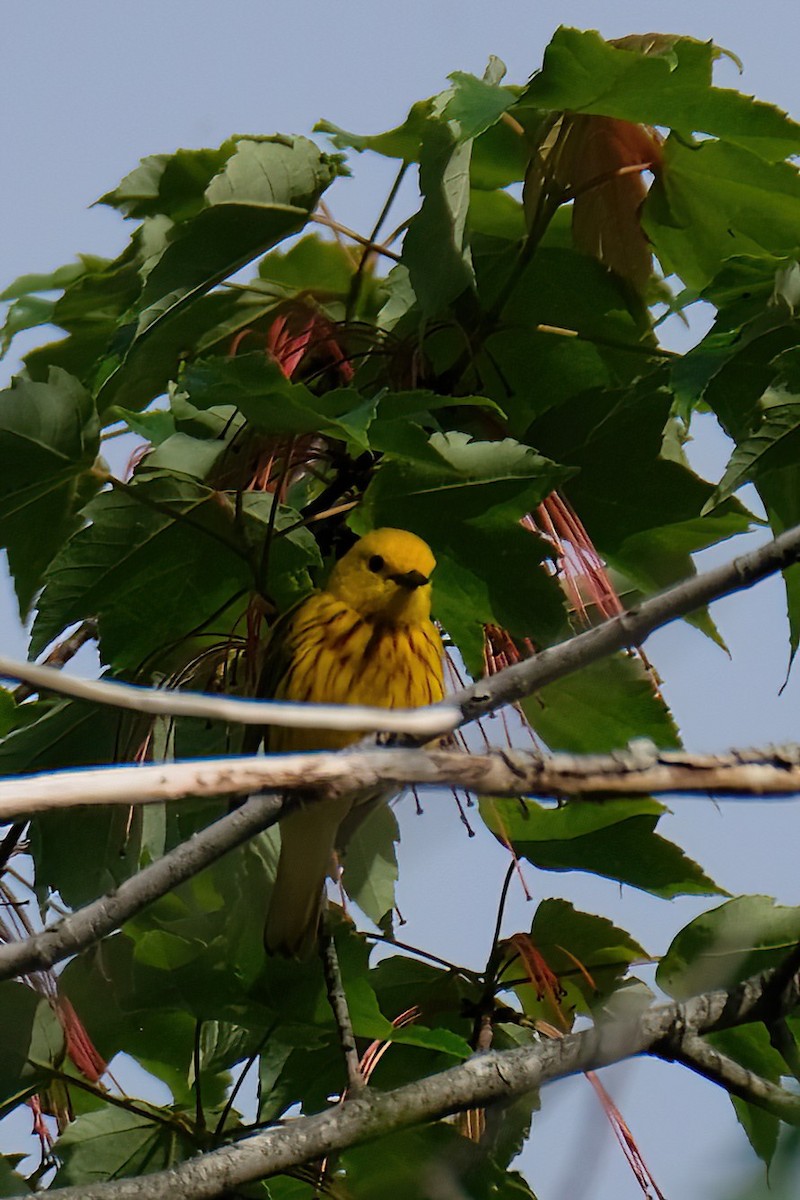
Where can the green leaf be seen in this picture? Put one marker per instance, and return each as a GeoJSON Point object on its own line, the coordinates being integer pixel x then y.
{"type": "Point", "coordinates": [746, 935]}
{"type": "Point", "coordinates": [49, 437]}
{"type": "Point", "coordinates": [476, 104]}
{"type": "Point", "coordinates": [774, 445]}
{"type": "Point", "coordinates": [572, 942]}
{"type": "Point", "coordinates": [311, 266]}
{"type": "Point", "coordinates": [161, 534]}
{"type": "Point", "coordinates": [670, 86]}
{"type": "Point", "coordinates": [154, 426]}
{"type": "Point", "coordinates": [53, 281]}
{"type": "Point", "coordinates": [620, 843]}
{"type": "Point", "coordinates": [715, 200]}
{"type": "Point", "coordinates": [370, 864]}
{"type": "Point", "coordinates": [114, 1144]}
{"type": "Point", "coordinates": [264, 193]}
{"type": "Point", "coordinates": [20, 1005]}
{"type": "Point", "coordinates": [160, 537]}
{"type": "Point", "coordinates": [409, 1164]}
{"type": "Point", "coordinates": [206, 326]}
{"type": "Point", "coordinates": [644, 520]}
{"type": "Point", "coordinates": [594, 335]}
{"type": "Point", "coordinates": [750, 1045]}
{"type": "Point", "coordinates": [588, 953]}
{"type": "Point", "coordinates": [435, 248]}
{"type": "Point", "coordinates": [465, 498]}
{"type": "Point", "coordinates": [273, 404]}
{"type": "Point", "coordinates": [26, 313]}
{"type": "Point", "coordinates": [601, 708]}
{"type": "Point", "coordinates": [79, 853]}
{"type": "Point", "coordinates": [92, 308]}
{"type": "Point", "coordinates": [12, 1183]}
{"type": "Point", "coordinates": [403, 142]}
{"type": "Point", "coordinates": [172, 184]}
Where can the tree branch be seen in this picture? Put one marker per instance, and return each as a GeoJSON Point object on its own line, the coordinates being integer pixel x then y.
{"type": "Point", "coordinates": [103, 916]}
{"type": "Point", "coordinates": [60, 655]}
{"type": "Point", "coordinates": [640, 770]}
{"type": "Point", "coordinates": [705, 1060]}
{"type": "Point", "coordinates": [425, 723]}
{"type": "Point", "coordinates": [480, 1081]}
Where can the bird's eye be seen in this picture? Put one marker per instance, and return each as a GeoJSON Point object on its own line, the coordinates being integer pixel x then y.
{"type": "Point", "coordinates": [375, 564]}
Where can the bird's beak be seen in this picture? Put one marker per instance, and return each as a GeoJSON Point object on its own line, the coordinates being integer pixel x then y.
{"type": "Point", "coordinates": [410, 580]}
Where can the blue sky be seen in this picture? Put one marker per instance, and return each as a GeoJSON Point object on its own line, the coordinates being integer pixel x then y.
{"type": "Point", "coordinates": [92, 86]}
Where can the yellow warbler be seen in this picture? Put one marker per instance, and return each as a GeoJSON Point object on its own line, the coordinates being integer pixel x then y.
{"type": "Point", "coordinates": [366, 638]}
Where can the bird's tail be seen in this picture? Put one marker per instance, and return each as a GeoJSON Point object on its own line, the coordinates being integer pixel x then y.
{"type": "Point", "coordinates": [307, 842]}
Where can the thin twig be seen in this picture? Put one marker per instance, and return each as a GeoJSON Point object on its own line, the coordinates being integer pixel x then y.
{"type": "Point", "coordinates": [501, 907]}
{"type": "Point", "coordinates": [199, 1115]}
{"type": "Point", "coordinates": [61, 654]}
{"type": "Point", "coordinates": [355, 283]}
{"type": "Point", "coordinates": [356, 237]}
{"type": "Point", "coordinates": [434, 958]}
{"type": "Point", "coordinates": [341, 1013]}
{"type": "Point", "coordinates": [219, 1128]}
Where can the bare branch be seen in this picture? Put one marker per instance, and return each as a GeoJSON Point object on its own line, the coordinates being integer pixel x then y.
{"type": "Point", "coordinates": [712, 1064]}
{"type": "Point", "coordinates": [60, 655]}
{"type": "Point", "coordinates": [420, 722]}
{"type": "Point", "coordinates": [482, 1080]}
{"type": "Point", "coordinates": [642, 769]}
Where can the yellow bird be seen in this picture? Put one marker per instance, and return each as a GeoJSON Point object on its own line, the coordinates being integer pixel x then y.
{"type": "Point", "coordinates": [366, 638]}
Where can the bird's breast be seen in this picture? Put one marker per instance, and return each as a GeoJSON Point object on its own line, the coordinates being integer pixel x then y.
{"type": "Point", "coordinates": [336, 656]}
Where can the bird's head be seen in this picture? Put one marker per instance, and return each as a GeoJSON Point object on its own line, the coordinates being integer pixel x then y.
{"type": "Point", "coordinates": [386, 577]}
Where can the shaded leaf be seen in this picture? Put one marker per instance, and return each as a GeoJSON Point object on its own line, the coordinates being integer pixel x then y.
{"type": "Point", "coordinates": [49, 438]}
{"type": "Point", "coordinates": [775, 444]}
{"type": "Point", "coordinates": [11, 1182]}
{"type": "Point", "coordinates": [114, 1144]}
{"type": "Point", "coordinates": [422, 1163]}
{"type": "Point", "coordinates": [20, 1006]}
{"type": "Point", "coordinates": [273, 404]}
{"type": "Point", "coordinates": [172, 184]}
{"type": "Point", "coordinates": [163, 536]}
{"type": "Point", "coordinates": [750, 1045]}
{"type": "Point", "coordinates": [588, 953]}
{"type": "Point", "coordinates": [435, 248]}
